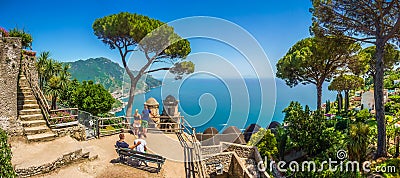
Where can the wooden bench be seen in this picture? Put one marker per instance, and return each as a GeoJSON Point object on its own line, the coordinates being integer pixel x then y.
{"type": "Point", "coordinates": [139, 156]}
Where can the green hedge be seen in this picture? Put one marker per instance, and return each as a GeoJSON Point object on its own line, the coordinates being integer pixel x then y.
{"type": "Point", "coordinates": [6, 169]}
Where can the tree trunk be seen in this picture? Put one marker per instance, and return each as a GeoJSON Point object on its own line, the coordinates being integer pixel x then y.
{"type": "Point", "coordinates": [379, 100]}
{"type": "Point", "coordinates": [339, 98]}
{"type": "Point", "coordinates": [54, 102]}
{"type": "Point", "coordinates": [129, 108]}
{"type": "Point", "coordinates": [40, 82]}
{"type": "Point", "coordinates": [319, 95]}
{"type": "Point", "coordinates": [346, 100]}
{"type": "Point", "coordinates": [397, 145]}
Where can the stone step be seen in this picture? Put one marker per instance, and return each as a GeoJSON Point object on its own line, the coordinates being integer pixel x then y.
{"type": "Point", "coordinates": [28, 106]}
{"type": "Point", "coordinates": [30, 111]}
{"type": "Point", "coordinates": [34, 123]}
{"type": "Point", "coordinates": [23, 85]}
{"type": "Point", "coordinates": [48, 136]}
{"type": "Point", "coordinates": [24, 93]}
{"type": "Point", "coordinates": [31, 117]}
{"type": "Point", "coordinates": [21, 102]}
{"type": "Point", "coordinates": [25, 88]}
{"type": "Point", "coordinates": [36, 130]}
{"type": "Point", "coordinates": [23, 82]}
{"type": "Point", "coordinates": [27, 97]}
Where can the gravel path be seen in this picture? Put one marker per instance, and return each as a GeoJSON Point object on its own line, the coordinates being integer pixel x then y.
{"type": "Point", "coordinates": [25, 155]}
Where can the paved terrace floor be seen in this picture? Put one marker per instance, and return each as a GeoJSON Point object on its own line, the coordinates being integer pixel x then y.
{"type": "Point", "coordinates": [26, 155]}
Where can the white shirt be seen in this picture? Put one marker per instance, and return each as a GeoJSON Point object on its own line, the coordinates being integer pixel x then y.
{"type": "Point", "coordinates": [141, 146]}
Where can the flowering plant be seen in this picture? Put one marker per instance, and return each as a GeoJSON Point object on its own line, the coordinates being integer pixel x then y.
{"type": "Point", "coordinates": [61, 117]}
{"type": "Point", "coordinates": [4, 32]}
{"type": "Point", "coordinates": [29, 53]}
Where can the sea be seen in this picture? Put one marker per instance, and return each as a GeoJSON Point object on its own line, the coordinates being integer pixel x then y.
{"type": "Point", "coordinates": [220, 103]}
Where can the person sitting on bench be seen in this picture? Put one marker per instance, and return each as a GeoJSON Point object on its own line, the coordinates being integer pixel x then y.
{"type": "Point", "coordinates": [121, 142]}
{"type": "Point", "coordinates": [140, 144]}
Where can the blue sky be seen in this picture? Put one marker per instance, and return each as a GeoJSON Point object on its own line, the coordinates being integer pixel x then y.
{"type": "Point", "coordinates": [64, 27]}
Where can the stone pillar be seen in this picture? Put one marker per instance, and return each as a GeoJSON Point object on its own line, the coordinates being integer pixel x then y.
{"type": "Point", "coordinates": [10, 58]}
{"type": "Point", "coordinates": [153, 105]}
{"type": "Point", "coordinates": [170, 106]}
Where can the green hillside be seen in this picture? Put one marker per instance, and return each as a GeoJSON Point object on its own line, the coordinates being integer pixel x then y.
{"type": "Point", "coordinates": [110, 74]}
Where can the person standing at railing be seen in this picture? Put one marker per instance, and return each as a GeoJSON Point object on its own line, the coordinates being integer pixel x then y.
{"type": "Point", "coordinates": [136, 122]}
{"type": "Point", "coordinates": [145, 120]}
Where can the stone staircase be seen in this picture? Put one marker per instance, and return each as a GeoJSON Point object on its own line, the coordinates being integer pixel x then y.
{"type": "Point", "coordinates": [30, 114]}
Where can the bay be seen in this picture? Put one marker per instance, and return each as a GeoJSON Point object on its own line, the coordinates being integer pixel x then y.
{"type": "Point", "coordinates": [220, 103]}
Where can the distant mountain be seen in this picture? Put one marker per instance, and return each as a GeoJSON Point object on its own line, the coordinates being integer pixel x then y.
{"type": "Point", "coordinates": [110, 74]}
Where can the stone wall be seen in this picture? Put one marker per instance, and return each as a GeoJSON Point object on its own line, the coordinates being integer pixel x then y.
{"type": "Point", "coordinates": [232, 166]}
{"type": "Point", "coordinates": [210, 150]}
{"type": "Point", "coordinates": [77, 132]}
{"type": "Point", "coordinates": [242, 151]}
{"type": "Point", "coordinates": [243, 162]}
{"type": "Point", "coordinates": [64, 160]}
{"type": "Point", "coordinates": [30, 62]}
{"type": "Point", "coordinates": [237, 168]}
{"type": "Point", "coordinates": [211, 162]}
{"type": "Point", "coordinates": [10, 57]}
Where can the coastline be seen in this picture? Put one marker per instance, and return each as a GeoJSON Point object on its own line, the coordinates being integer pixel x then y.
{"type": "Point", "coordinates": [120, 96]}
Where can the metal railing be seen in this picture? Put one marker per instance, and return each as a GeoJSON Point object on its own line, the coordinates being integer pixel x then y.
{"type": "Point", "coordinates": [90, 124]}
{"type": "Point", "coordinates": [110, 126]}
{"type": "Point", "coordinates": [196, 160]}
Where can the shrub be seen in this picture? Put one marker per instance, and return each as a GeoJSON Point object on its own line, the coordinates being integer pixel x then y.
{"type": "Point", "coordinates": [92, 98]}
{"type": "Point", "coordinates": [363, 115]}
{"type": "Point", "coordinates": [265, 141]}
{"type": "Point", "coordinates": [389, 163]}
{"type": "Point", "coordinates": [392, 107]}
{"type": "Point", "coordinates": [6, 169]}
{"type": "Point", "coordinates": [395, 98]}
{"type": "Point", "coordinates": [110, 128]}
{"type": "Point", "coordinates": [26, 37]}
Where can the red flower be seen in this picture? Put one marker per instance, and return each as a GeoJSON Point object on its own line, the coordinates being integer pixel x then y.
{"type": "Point", "coordinates": [4, 32]}
{"type": "Point", "coordinates": [29, 53]}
